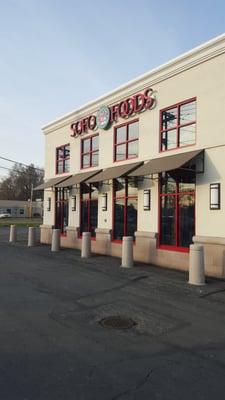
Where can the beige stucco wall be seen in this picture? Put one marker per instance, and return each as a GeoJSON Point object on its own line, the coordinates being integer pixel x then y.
{"type": "Point", "coordinates": [211, 222]}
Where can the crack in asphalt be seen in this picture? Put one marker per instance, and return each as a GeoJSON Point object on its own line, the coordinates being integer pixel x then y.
{"type": "Point", "coordinates": [211, 293]}
{"type": "Point", "coordinates": [138, 386]}
{"type": "Point", "coordinates": [40, 287]}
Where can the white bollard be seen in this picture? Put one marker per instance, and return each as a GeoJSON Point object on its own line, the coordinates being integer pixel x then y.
{"type": "Point", "coordinates": [127, 252]}
{"type": "Point", "coordinates": [196, 265]}
{"type": "Point", "coordinates": [12, 233]}
{"type": "Point", "coordinates": [55, 240]}
{"type": "Point", "coordinates": [31, 236]}
{"type": "Point", "coordinates": [86, 245]}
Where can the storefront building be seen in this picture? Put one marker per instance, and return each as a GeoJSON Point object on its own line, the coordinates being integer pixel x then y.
{"type": "Point", "coordinates": [145, 160]}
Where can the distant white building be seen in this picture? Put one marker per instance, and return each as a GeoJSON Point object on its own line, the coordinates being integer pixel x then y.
{"type": "Point", "coordinates": [21, 209]}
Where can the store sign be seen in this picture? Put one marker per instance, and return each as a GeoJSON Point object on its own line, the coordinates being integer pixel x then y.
{"type": "Point", "coordinates": [107, 115]}
{"type": "Point", "coordinates": [103, 117]}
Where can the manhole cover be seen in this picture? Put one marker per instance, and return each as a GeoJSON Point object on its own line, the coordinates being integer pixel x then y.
{"type": "Point", "coordinates": [117, 322]}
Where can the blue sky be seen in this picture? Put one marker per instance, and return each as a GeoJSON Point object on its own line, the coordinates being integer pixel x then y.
{"type": "Point", "coordinates": [59, 54]}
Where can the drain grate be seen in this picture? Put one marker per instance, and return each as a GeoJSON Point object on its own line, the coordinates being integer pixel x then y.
{"type": "Point", "coordinates": [117, 322]}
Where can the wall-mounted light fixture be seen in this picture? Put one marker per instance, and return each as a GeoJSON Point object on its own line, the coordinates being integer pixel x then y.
{"type": "Point", "coordinates": [214, 196]}
{"type": "Point", "coordinates": [49, 204]}
{"type": "Point", "coordinates": [74, 203]}
{"type": "Point", "coordinates": [104, 202]}
{"type": "Point", "coordinates": [147, 199]}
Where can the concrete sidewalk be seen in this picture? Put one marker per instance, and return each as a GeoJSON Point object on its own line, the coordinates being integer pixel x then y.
{"type": "Point", "coordinates": [53, 347]}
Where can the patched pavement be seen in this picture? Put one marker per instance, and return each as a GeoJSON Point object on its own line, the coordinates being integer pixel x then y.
{"type": "Point", "coordinates": [54, 347]}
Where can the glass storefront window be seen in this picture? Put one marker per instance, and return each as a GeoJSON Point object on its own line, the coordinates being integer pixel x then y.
{"type": "Point", "coordinates": [89, 209]}
{"type": "Point", "coordinates": [119, 208]}
{"type": "Point", "coordinates": [121, 134]}
{"type": "Point", "coordinates": [169, 118]}
{"type": "Point", "coordinates": [187, 135]}
{"type": "Point", "coordinates": [61, 213]}
{"type": "Point", "coordinates": [167, 228]}
{"type": "Point", "coordinates": [177, 208]}
{"type": "Point", "coordinates": [178, 125]}
{"type": "Point", "coordinates": [125, 208]}
{"type": "Point", "coordinates": [126, 141]}
{"type": "Point", "coordinates": [133, 131]}
{"type": "Point", "coordinates": [121, 152]}
{"type": "Point", "coordinates": [119, 187]}
{"type": "Point", "coordinates": [63, 159]}
{"type": "Point", "coordinates": [89, 151]}
{"type": "Point", "coordinates": [186, 219]}
{"type": "Point", "coordinates": [131, 216]}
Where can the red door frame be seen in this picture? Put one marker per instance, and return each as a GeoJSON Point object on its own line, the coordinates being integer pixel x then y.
{"type": "Point", "coordinates": [177, 214]}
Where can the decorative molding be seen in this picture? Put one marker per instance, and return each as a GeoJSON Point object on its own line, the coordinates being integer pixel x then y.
{"type": "Point", "coordinates": [209, 240]}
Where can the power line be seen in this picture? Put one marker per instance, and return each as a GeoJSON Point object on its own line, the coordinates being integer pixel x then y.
{"type": "Point", "coordinates": [17, 162]}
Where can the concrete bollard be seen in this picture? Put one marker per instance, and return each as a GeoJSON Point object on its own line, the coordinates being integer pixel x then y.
{"type": "Point", "coordinates": [31, 236]}
{"type": "Point", "coordinates": [12, 233]}
{"type": "Point", "coordinates": [86, 245]}
{"type": "Point", "coordinates": [55, 240]}
{"type": "Point", "coordinates": [196, 265]}
{"type": "Point", "coordinates": [127, 252]}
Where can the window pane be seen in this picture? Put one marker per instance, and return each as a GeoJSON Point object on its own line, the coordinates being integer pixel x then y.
{"type": "Point", "coordinates": [187, 135]}
{"type": "Point", "coordinates": [133, 149]}
{"type": "Point", "coordinates": [168, 222]}
{"type": "Point", "coordinates": [168, 182]}
{"type": "Point", "coordinates": [131, 217]}
{"type": "Point", "coordinates": [94, 159]}
{"type": "Point", "coordinates": [94, 192]}
{"type": "Point", "coordinates": [84, 216]}
{"type": "Point", "coordinates": [121, 134]}
{"type": "Point", "coordinates": [119, 208]}
{"type": "Point", "coordinates": [169, 118]}
{"type": "Point", "coordinates": [186, 181]}
{"type": "Point", "coordinates": [86, 146]}
{"type": "Point", "coordinates": [66, 165]}
{"type": "Point", "coordinates": [65, 194]}
{"type": "Point", "coordinates": [67, 150]}
{"type": "Point", "coordinates": [65, 216]}
{"type": "Point", "coordinates": [187, 113]}
{"type": "Point", "coordinates": [60, 167]}
{"type": "Point", "coordinates": [121, 152]}
{"type": "Point", "coordinates": [85, 190]}
{"type": "Point", "coordinates": [186, 219]}
{"type": "Point", "coordinates": [60, 153]}
{"type": "Point", "coordinates": [58, 194]}
{"type": "Point", "coordinates": [119, 187]}
{"type": "Point", "coordinates": [86, 160]}
{"type": "Point", "coordinates": [95, 141]}
{"type": "Point", "coordinates": [93, 216]}
{"type": "Point", "coordinates": [58, 215]}
{"type": "Point", "coordinates": [133, 131]}
{"type": "Point", "coordinates": [169, 139]}
{"type": "Point", "coordinates": [132, 187]}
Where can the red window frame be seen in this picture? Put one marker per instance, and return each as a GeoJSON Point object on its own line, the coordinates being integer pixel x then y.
{"type": "Point", "coordinates": [176, 195]}
{"type": "Point", "coordinates": [176, 127]}
{"type": "Point", "coordinates": [89, 201]}
{"type": "Point", "coordinates": [125, 197]}
{"type": "Point", "coordinates": [61, 200]}
{"type": "Point", "coordinates": [126, 142]}
{"type": "Point", "coordinates": [90, 153]}
{"type": "Point", "coordinates": [62, 159]}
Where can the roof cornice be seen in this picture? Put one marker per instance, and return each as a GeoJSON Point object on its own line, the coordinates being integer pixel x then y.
{"type": "Point", "coordinates": [190, 59]}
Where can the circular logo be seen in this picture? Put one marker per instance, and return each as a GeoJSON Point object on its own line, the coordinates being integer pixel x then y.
{"type": "Point", "coordinates": [103, 117]}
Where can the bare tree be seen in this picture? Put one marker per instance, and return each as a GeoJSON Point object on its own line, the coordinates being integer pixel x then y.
{"type": "Point", "coordinates": [18, 185]}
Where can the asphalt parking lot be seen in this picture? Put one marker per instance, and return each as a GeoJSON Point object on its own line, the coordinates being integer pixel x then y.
{"type": "Point", "coordinates": [53, 346]}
